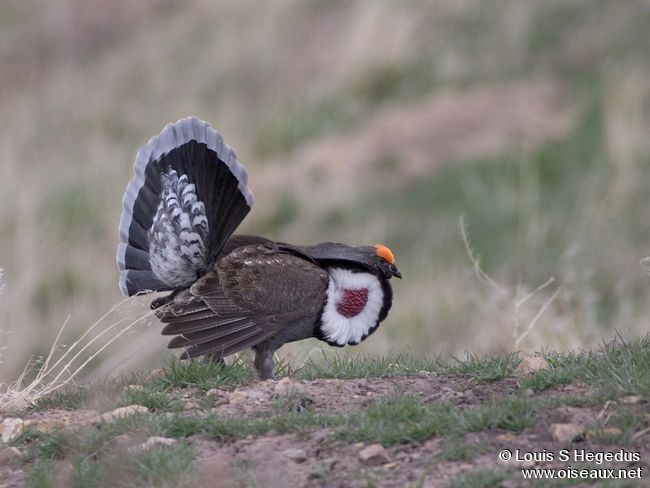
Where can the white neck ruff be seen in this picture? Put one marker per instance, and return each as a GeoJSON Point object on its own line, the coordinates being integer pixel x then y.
{"type": "Point", "coordinates": [350, 330]}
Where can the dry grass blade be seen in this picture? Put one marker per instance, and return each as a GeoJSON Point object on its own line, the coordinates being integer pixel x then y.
{"type": "Point", "coordinates": [476, 261]}
{"type": "Point", "coordinates": [60, 367]}
{"type": "Point", "coordinates": [517, 303]}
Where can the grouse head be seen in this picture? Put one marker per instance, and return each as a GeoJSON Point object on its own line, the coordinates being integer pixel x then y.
{"type": "Point", "coordinates": [232, 291]}
{"type": "Point", "coordinates": [359, 295]}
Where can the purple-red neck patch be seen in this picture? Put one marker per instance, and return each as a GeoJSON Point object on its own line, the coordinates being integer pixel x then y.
{"type": "Point", "coordinates": [352, 302]}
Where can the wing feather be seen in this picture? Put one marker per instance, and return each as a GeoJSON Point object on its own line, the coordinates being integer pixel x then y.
{"type": "Point", "coordinates": [247, 297]}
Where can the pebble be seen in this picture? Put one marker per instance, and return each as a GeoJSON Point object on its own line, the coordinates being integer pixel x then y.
{"type": "Point", "coordinates": [286, 386]}
{"type": "Point", "coordinates": [297, 455]}
{"type": "Point", "coordinates": [566, 432]}
{"type": "Point", "coordinates": [11, 429]}
{"type": "Point", "coordinates": [630, 400]}
{"type": "Point", "coordinates": [9, 454]}
{"type": "Point", "coordinates": [152, 441]}
{"type": "Point", "coordinates": [123, 412]}
{"type": "Point", "coordinates": [374, 455]}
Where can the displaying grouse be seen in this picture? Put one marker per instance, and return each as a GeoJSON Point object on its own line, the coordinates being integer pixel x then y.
{"type": "Point", "coordinates": [229, 292]}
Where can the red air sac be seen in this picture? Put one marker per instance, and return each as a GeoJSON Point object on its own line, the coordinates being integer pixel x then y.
{"type": "Point", "coordinates": [352, 302]}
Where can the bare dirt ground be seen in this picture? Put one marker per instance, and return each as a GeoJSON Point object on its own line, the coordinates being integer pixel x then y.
{"type": "Point", "coordinates": [319, 458]}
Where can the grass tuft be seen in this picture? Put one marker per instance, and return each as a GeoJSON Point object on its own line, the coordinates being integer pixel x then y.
{"type": "Point", "coordinates": [346, 367]}
{"type": "Point", "coordinates": [402, 419]}
{"type": "Point", "coordinates": [203, 375]}
{"type": "Point", "coordinates": [619, 366]}
{"type": "Point", "coordinates": [71, 399]}
{"type": "Point", "coordinates": [484, 370]}
{"type": "Point", "coordinates": [156, 401]}
{"type": "Point", "coordinates": [478, 479]}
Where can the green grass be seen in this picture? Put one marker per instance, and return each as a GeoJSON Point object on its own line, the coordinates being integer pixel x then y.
{"type": "Point", "coordinates": [397, 419]}
{"type": "Point", "coordinates": [479, 479]}
{"type": "Point", "coordinates": [402, 419]}
{"type": "Point", "coordinates": [71, 399]}
{"type": "Point", "coordinates": [156, 401]}
{"type": "Point", "coordinates": [342, 366]}
{"type": "Point", "coordinates": [88, 472]}
{"type": "Point", "coordinates": [228, 428]}
{"type": "Point", "coordinates": [620, 367]}
{"type": "Point", "coordinates": [156, 467]}
{"type": "Point", "coordinates": [40, 475]}
{"type": "Point", "coordinates": [511, 413]}
{"type": "Point", "coordinates": [457, 449]}
{"type": "Point", "coordinates": [628, 420]}
{"type": "Point", "coordinates": [484, 370]}
{"type": "Point", "coordinates": [203, 375]}
{"type": "Point", "coordinates": [46, 446]}
{"type": "Point", "coordinates": [160, 466]}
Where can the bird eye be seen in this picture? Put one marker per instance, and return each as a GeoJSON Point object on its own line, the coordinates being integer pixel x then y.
{"type": "Point", "coordinates": [392, 268]}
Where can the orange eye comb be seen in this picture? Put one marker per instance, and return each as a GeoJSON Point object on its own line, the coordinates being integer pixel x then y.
{"type": "Point", "coordinates": [384, 252]}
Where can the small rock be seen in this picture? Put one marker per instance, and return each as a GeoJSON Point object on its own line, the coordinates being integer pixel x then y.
{"type": "Point", "coordinates": [530, 364]}
{"type": "Point", "coordinates": [213, 392]}
{"type": "Point", "coordinates": [152, 442]}
{"type": "Point", "coordinates": [507, 437]}
{"type": "Point", "coordinates": [11, 429]}
{"type": "Point", "coordinates": [286, 386]}
{"type": "Point", "coordinates": [631, 399]}
{"type": "Point", "coordinates": [297, 455]}
{"type": "Point", "coordinates": [241, 396]}
{"type": "Point", "coordinates": [9, 454]}
{"type": "Point", "coordinates": [566, 432]}
{"type": "Point", "coordinates": [189, 406]}
{"type": "Point", "coordinates": [134, 388]}
{"type": "Point", "coordinates": [433, 445]}
{"type": "Point", "coordinates": [123, 412]}
{"type": "Point", "coordinates": [237, 396]}
{"type": "Point", "coordinates": [529, 392]}
{"type": "Point", "coordinates": [374, 455]}
{"type": "Point", "coordinates": [156, 373]}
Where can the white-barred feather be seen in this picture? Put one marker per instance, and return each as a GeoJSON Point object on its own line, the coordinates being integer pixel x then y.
{"type": "Point", "coordinates": [178, 234]}
{"type": "Point", "coordinates": [350, 330]}
{"type": "Point", "coordinates": [171, 137]}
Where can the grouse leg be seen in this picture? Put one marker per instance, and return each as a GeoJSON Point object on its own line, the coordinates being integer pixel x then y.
{"type": "Point", "coordinates": [263, 361]}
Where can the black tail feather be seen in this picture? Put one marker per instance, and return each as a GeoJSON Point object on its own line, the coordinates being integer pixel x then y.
{"type": "Point", "coordinates": [188, 195]}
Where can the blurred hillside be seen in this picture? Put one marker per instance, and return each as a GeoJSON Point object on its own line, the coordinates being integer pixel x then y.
{"type": "Point", "coordinates": [361, 122]}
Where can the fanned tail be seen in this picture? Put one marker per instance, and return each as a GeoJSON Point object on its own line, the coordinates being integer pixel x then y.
{"type": "Point", "coordinates": [188, 195]}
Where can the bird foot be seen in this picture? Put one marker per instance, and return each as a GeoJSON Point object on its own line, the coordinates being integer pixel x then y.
{"type": "Point", "coordinates": [264, 363]}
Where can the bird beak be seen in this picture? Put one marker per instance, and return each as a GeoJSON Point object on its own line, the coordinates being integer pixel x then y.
{"type": "Point", "coordinates": [397, 273]}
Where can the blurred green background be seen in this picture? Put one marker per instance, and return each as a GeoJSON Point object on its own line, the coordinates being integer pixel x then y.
{"type": "Point", "coordinates": [361, 122]}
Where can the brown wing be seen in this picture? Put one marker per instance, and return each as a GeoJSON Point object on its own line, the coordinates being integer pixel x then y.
{"type": "Point", "coordinates": [247, 297]}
